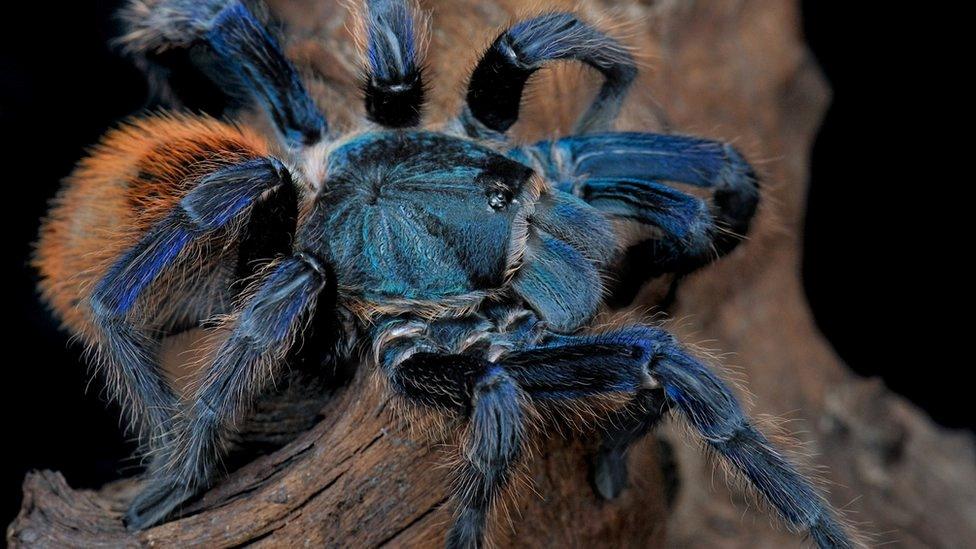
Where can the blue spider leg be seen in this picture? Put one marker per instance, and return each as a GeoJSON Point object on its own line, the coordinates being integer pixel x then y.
{"type": "Point", "coordinates": [255, 61]}
{"type": "Point", "coordinates": [223, 41]}
{"type": "Point", "coordinates": [496, 85]}
{"type": "Point", "coordinates": [393, 87]}
{"type": "Point", "coordinates": [128, 349]}
{"type": "Point", "coordinates": [244, 364]}
{"type": "Point", "coordinates": [635, 359]}
{"type": "Point", "coordinates": [622, 174]}
{"type": "Point", "coordinates": [492, 401]}
{"type": "Point", "coordinates": [622, 429]}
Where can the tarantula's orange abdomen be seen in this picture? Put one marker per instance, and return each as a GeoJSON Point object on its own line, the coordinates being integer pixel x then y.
{"type": "Point", "coordinates": [129, 181]}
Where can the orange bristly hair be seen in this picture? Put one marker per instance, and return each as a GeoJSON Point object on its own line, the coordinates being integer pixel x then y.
{"type": "Point", "coordinates": [129, 181]}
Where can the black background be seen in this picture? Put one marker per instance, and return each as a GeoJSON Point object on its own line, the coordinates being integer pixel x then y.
{"type": "Point", "coordinates": [872, 265]}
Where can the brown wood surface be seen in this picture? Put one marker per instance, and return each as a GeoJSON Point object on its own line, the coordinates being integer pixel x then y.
{"type": "Point", "coordinates": [734, 70]}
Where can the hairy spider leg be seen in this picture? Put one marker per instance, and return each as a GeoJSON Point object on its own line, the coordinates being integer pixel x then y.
{"type": "Point", "coordinates": [128, 347]}
{"type": "Point", "coordinates": [641, 361]}
{"type": "Point", "coordinates": [393, 85]}
{"type": "Point", "coordinates": [640, 358]}
{"type": "Point", "coordinates": [443, 365]}
{"type": "Point", "coordinates": [214, 202]}
{"type": "Point", "coordinates": [496, 85]}
{"type": "Point", "coordinates": [622, 175]}
{"type": "Point", "coordinates": [233, 48]}
{"type": "Point", "coordinates": [255, 58]}
{"type": "Point", "coordinates": [493, 404]}
{"type": "Point", "coordinates": [622, 429]}
{"type": "Point", "coordinates": [244, 364]}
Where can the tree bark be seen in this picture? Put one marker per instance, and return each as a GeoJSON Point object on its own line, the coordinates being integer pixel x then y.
{"type": "Point", "coordinates": [356, 478]}
{"type": "Point", "coordinates": [733, 70]}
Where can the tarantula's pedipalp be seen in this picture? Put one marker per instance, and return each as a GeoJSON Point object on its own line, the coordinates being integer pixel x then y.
{"type": "Point", "coordinates": [623, 175]}
{"type": "Point", "coordinates": [231, 47]}
{"type": "Point", "coordinates": [394, 85]}
{"type": "Point", "coordinates": [243, 365]}
{"type": "Point", "coordinates": [496, 85]}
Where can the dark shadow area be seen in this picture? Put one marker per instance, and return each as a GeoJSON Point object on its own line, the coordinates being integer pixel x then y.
{"type": "Point", "coordinates": [57, 98]}
{"type": "Point", "coordinates": [880, 208]}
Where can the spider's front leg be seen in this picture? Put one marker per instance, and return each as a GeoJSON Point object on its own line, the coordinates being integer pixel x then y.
{"type": "Point", "coordinates": [624, 175]}
{"type": "Point", "coordinates": [644, 362]}
{"type": "Point", "coordinates": [228, 44]}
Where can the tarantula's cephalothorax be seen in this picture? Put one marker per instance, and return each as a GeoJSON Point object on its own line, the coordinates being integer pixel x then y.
{"type": "Point", "coordinates": [467, 267]}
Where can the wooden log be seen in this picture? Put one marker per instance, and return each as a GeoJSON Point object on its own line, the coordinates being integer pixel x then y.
{"type": "Point", "coordinates": [359, 477]}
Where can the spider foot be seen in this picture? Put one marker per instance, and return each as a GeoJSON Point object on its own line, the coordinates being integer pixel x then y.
{"type": "Point", "coordinates": [155, 503]}
{"type": "Point", "coordinates": [609, 473]}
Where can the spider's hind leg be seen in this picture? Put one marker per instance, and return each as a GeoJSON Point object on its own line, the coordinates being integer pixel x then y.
{"type": "Point", "coordinates": [130, 350]}
{"type": "Point", "coordinates": [227, 44]}
{"type": "Point", "coordinates": [125, 340]}
{"type": "Point", "coordinates": [127, 351]}
{"type": "Point", "coordinates": [245, 362]}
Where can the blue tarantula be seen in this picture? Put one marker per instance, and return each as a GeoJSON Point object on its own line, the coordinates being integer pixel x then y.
{"type": "Point", "coordinates": [461, 266]}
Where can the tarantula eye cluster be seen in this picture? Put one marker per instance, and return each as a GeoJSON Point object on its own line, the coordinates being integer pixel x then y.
{"type": "Point", "coordinates": [465, 309]}
{"type": "Point", "coordinates": [499, 198]}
